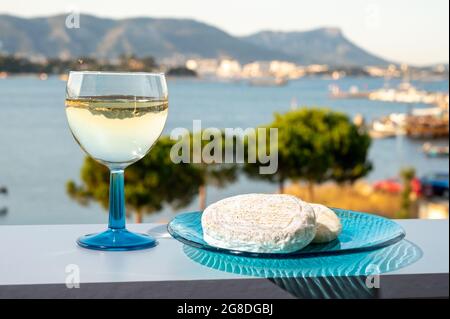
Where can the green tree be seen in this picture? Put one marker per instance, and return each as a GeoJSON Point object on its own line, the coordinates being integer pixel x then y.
{"type": "Point", "coordinates": [150, 183]}
{"type": "Point", "coordinates": [350, 147]}
{"type": "Point", "coordinates": [407, 175]}
{"type": "Point", "coordinates": [149, 63]}
{"type": "Point", "coordinates": [316, 145]}
{"type": "Point", "coordinates": [218, 175]}
{"type": "Point", "coordinates": [209, 159]}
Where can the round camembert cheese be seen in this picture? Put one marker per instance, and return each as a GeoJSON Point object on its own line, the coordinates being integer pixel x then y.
{"type": "Point", "coordinates": [259, 223]}
{"type": "Point", "coordinates": [328, 224]}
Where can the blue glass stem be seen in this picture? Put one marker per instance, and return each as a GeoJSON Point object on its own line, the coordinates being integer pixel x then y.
{"type": "Point", "coordinates": [117, 238]}
{"type": "Point", "coordinates": [117, 218]}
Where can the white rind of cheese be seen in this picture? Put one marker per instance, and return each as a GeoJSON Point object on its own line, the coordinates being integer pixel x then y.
{"type": "Point", "coordinates": [328, 224]}
{"type": "Point", "coordinates": [259, 223]}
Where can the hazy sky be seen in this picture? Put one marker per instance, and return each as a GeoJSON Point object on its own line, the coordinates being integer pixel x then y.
{"type": "Point", "coordinates": [411, 31]}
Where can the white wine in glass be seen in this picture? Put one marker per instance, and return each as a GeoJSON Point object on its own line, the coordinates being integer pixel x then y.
{"type": "Point", "coordinates": [116, 129]}
{"type": "Point", "coordinates": [116, 118]}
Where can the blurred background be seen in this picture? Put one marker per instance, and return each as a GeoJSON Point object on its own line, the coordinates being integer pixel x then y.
{"type": "Point", "coordinates": [382, 65]}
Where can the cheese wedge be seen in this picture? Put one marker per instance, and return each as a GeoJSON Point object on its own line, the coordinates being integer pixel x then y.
{"type": "Point", "coordinates": [328, 224]}
{"type": "Point", "coordinates": [259, 223]}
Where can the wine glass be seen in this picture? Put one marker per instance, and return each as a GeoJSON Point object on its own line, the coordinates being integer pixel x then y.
{"type": "Point", "coordinates": [116, 117]}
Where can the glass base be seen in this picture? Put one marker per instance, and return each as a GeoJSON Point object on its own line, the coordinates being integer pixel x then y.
{"type": "Point", "coordinates": [117, 240]}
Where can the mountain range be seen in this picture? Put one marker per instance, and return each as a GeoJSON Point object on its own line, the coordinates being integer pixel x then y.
{"type": "Point", "coordinates": [174, 39]}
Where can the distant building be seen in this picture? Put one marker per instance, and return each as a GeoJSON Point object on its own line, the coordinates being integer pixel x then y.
{"type": "Point", "coordinates": [317, 68]}
{"type": "Point", "coordinates": [285, 69]}
{"type": "Point", "coordinates": [256, 69]}
{"type": "Point", "coordinates": [174, 60]}
{"type": "Point", "coordinates": [276, 69]}
{"type": "Point", "coordinates": [376, 71]}
{"type": "Point", "coordinates": [229, 69]}
{"type": "Point", "coordinates": [203, 67]}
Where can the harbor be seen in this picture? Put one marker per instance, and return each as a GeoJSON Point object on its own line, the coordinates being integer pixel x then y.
{"type": "Point", "coordinates": [423, 123]}
{"type": "Point", "coordinates": [428, 124]}
{"type": "Point", "coordinates": [235, 103]}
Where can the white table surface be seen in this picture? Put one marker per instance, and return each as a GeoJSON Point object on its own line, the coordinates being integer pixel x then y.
{"type": "Point", "coordinates": [40, 254]}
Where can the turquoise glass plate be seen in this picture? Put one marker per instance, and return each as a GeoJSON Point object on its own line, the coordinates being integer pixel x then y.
{"type": "Point", "coordinates": [360, 232]}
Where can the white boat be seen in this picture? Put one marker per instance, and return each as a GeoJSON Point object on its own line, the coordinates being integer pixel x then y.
{"type": "Point", "coordinates": [267, 81]}
{"type": "Point", "coordinates": [352, 93]}
{"type": "Point", "coordinates": [390, 126]}
{"type": "Point", "coordinates": [382, 130]}
{"type": "Point", "coordinates": [435, 150]}
{"type": "Point", "coordinates": [430, 111]}
{"type": "Point", "coordinates": [406, 93]}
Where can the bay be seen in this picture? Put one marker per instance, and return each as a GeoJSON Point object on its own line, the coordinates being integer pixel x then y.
{"type": "Point", "coordinates": [38, 154]}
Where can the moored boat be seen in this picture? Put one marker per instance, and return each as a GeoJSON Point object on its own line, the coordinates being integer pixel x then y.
{"type": "Point", "coordinates": [389, 126]}
{"type": "Point", "coordinates": [268, 81]}
{"type": "Point", "coordinates": [427, 126]}
{"type": "Point", "coordinates": [435, 150]}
